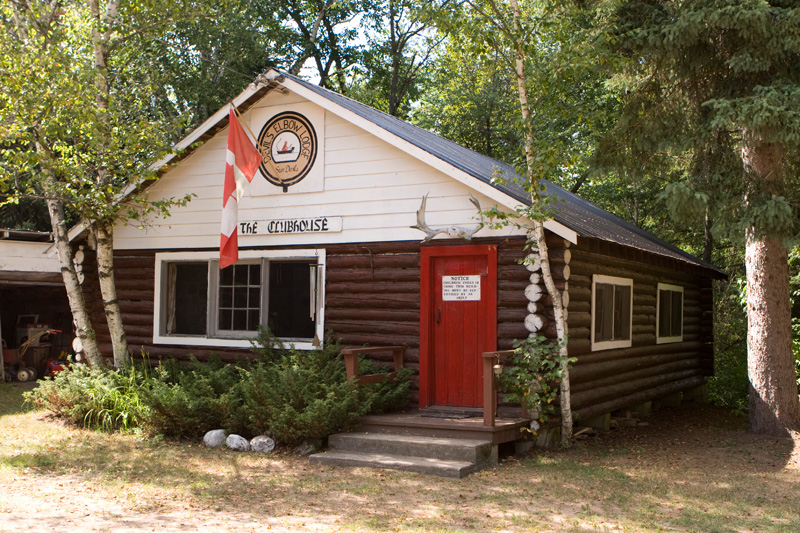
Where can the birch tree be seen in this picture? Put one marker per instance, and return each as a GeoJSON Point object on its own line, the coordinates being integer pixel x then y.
{"type": "Point", "coordinates": [509, 31]}
{"type": "Point", "coordinates": [77, 128]}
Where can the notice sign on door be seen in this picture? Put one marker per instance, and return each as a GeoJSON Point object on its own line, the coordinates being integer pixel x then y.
{"type": "Point", "coordinates": [461, 288]}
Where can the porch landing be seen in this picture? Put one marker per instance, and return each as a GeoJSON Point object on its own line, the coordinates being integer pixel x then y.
{"type": "Point", "coordinates": [435, 423]}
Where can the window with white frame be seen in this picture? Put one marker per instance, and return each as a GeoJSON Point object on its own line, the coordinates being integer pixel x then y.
{"type": "Point", "coordinates": [196, 303]}
{"type": "Point", "coordinates": [669, 314]}
{"type": "Point", "coordinates": [612, 316]}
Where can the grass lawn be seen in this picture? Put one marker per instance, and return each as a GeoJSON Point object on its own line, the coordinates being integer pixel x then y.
{"type": "Point", "coordinates": [691, 468]}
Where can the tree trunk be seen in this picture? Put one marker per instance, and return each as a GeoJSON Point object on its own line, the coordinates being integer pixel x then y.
{"type": "Point", "coordinates": [774, 405]}
{"type": "Point", "coordinates": [77, 303]}
{"type": "Point", "coordinates": [103, 231]}
{"type": "Point", "coordinates": [538, 232]}
{"type": "Point", "coordinates": [105, 272]}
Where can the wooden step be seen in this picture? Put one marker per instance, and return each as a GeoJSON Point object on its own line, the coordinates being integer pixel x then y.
{"type": "Point", "coordinates": [478, 452]}
{"type": "Point", "coordinates": [447, 457]}
{"type": "Point", "coordinates": [423, 465]}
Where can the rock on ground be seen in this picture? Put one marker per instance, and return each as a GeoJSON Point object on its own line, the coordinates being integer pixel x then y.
{"type": "Point", "coordinates": [309, 446]}
{"type": "Point", "coordinates": [215, 438]}
{"type": "Point", "coordinates": [237, 443]}
{"type": "Point", "coordinates": [262, 444]}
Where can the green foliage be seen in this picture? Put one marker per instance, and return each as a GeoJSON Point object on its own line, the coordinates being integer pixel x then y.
{"type": "Point", "coordinates": [532, 375]}
{"type": "Point", "coordinates": [685, 203]}
{"type": "Point", "coordinates": [474, 98]}
{"type": "Point", "coordinates": [306, 394]}
{"type": "Point", "coordinates": [729, 386]}
{"type": "Point", "coordinates": [392, 68]}
{"type": "Point", "coordinates": [194, 399]}
{"type": "Point", "coordinates": [95, 397]}
{"type": "Point", "coordinates": [296, 395]}
{"type": "Point", "coordinates": [302, 395]}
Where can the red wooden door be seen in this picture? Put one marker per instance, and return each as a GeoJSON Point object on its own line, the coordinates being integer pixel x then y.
{"type": "Point", "coordinates": [458, 322]}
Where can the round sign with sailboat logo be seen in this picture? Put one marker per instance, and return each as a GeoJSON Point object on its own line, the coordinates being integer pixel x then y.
{"type": "Point", "coordinates": [288, 144]}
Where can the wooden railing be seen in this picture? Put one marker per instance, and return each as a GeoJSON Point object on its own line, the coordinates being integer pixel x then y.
{"type": "Point", "coordinates": [351, 362]}
{"type": "Point", "coordinates": [491, 362]}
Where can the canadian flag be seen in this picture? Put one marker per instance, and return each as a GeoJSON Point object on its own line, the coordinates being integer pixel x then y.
{"type": "Point", "coordinates": [241, 164]}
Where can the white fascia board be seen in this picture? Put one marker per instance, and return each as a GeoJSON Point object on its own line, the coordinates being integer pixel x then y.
{"type": "Point", "coordinates": [418, 153]}
{"type": "Point", "coordinates": [210, 122]}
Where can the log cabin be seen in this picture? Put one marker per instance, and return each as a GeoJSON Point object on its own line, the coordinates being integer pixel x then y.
{"type": "Point", "coordinates": [330, 243]}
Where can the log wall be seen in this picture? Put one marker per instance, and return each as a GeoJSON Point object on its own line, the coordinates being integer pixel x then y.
{"type": "Point", "coordinates": [606, 380]}
{"type": "Point", "coordinates": [372, 297]}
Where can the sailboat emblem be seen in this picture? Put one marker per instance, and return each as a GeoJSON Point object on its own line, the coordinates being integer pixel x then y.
{"type": "Point", "coordinates": [286, 148]}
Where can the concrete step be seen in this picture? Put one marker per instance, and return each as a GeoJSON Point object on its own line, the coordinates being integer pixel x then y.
{"type": "Point", "coordinates": [478, 452]}
{"type": "Point", "coordinates": [423, 465]}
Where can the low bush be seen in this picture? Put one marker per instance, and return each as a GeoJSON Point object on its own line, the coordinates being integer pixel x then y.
{"type": "Point", "coordinates": [296, 395]}
{"type": "Point", "coordinates": [95, 397]}
{"type": "Point", "coordinates": [195, 398]}
{"type": "Point", "coordinates": [306, 395]}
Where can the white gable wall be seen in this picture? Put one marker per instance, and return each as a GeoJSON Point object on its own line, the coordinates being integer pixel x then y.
{"type": "Point", "coordinates": [375, 188]}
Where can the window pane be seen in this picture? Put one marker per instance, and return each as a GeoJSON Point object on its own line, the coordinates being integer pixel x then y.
{"type": "Point", "coordinates": [240, 298]}
{"type": "Point", "coordinates": [290, 300]}
{"type": "Point", "coordinates": [226, 276]}
{"type": "Point", "coordinates": [254, 298]}
{"type": "Point", "coordinates": [225, 319]}
{"type": "Point", "coordinates": [240, 319]}
{"type": "Point", "coordinates": [225, 297]}
{"type": "Point", "coordinates": [253, 319]}
{"type": "Point", "coordinates": [603, 312]}
{"type": "Point", "coordinates": [622, 312]}
{"type": "Point", "coordinates": [191, 298]}
{"type": "Point", "coordinates": [677, 314]}
{"type": "Point", "coordinates": [664, 311]}
{"type": "Point", "coordinates": [255, 275]}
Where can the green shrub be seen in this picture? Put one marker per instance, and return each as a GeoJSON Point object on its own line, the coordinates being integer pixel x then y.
{"type": "Point", "coordinates": [190, 400]}
{"type": "Point", "coordinates": [388, 395]}
{"type": "Point", "coordinates": [729, 387]}
{"type": "Point", "coordinates": [95, 397]}
{"type": "Point", "coordinates": [302, 395]}
{"type": "Point", "coordinates": [297, 395]}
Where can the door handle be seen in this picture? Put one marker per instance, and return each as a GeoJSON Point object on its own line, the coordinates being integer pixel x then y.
{"type": "Point", "coordinates": [438, 314]}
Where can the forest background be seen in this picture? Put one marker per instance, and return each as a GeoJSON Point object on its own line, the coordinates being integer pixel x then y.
{"type": "Point", "coordinates": [611, 123]}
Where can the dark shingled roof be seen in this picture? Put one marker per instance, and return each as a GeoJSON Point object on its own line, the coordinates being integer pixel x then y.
{"type": "Point", "coordinates": [583, 217]}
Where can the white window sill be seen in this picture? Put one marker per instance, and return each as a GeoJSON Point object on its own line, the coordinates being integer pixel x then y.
{"type": "Point", "coordinates": [223, 343]}
{"type": "Point", "coordinates": [610, 345]}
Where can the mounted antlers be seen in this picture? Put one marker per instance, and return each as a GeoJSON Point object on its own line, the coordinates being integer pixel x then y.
{"type": "Point", "coordinates": [463, 232]}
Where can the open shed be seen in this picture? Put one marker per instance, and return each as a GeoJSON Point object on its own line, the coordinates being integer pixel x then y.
{"type": "Point", "coordinates": [32, 297]}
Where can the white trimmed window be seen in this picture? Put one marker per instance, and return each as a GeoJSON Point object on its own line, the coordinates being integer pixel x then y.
{"type": "Point", "coordinates": [198, 304]}
{"type": "Point", "coordinates": [612, 316]}
{"type": "Point", "coordinates": [669, 314]}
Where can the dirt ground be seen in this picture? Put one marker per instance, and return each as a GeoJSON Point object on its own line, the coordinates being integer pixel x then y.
{"type": "Point", "coordinates": [691, 468]}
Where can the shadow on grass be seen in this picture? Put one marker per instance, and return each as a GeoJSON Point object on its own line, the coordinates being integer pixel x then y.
{"type": "Point", "coordinates": [695, 477]}
{"type": "Point", "coordinates": [11, 400]}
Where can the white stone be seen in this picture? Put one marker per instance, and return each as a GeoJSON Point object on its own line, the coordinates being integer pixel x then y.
{"type": "Point", "coordinates": [262, 444]}
{"type": "Point", "coordinates": [215, 438]}
{"type": "Point", "coordinates": [237, 443]}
